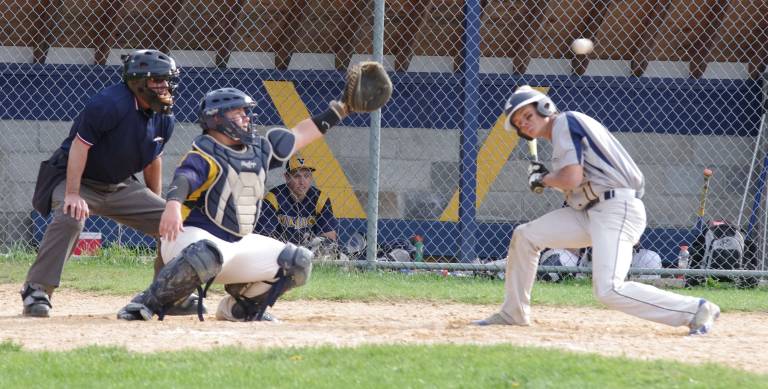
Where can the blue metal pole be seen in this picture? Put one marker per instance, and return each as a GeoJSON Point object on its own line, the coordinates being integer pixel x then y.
{"type": "Point", "coordinates": [470, 123]}
{"type": "Point", "coordinates": [374, 144]}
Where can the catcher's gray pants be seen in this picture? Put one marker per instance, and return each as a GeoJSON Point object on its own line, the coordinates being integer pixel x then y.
{"type": "Point", "coordinates": [129, 202]}
{"type": "Point", "coordinates": [611, 227]}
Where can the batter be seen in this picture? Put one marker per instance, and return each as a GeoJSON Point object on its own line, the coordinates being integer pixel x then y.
{"type": "Point", "coordinates": [603, 188]}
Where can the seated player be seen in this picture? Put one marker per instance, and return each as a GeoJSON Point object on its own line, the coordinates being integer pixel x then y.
{"type": "Point", "coordinates": [296, 211]}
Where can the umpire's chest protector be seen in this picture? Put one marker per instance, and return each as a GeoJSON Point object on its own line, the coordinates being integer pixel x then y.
{"type": "Point", "coordinates": [233, 201]}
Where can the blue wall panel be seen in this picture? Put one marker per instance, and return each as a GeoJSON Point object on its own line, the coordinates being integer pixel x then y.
{"type": "Point", "coordinates": [420, 100]}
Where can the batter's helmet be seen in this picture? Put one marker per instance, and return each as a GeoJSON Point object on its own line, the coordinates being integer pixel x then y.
{"type": "Point", "coordinates": [141, 65]}
{"type": "Point", "coordinates": [523, 96]}
{"type": "Point", "coordinates": [215, 103]}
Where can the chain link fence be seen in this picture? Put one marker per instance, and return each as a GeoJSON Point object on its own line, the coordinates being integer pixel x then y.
{"type": "Point", "coordinates": [678, 82]}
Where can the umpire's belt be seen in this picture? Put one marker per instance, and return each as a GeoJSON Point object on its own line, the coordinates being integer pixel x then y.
{"type": "Point", "coordinates": [620, 193]}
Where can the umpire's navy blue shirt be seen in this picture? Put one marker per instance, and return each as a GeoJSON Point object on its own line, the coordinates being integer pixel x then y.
{"type": "Point", "coordinates": [124, 138]}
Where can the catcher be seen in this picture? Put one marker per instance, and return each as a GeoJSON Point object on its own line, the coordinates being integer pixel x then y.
{"type": "Point", "coordinates": [215, 198]}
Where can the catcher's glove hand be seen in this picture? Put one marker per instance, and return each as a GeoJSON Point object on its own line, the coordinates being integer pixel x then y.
{"type": "Point", "coordinates": [536, 172]}
{"type": "Point", "coordinates": [367, 89]}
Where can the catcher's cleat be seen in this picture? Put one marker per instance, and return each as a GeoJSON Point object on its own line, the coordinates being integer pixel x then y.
{"type": "Point", "coordinates": [269, 317]}
{"type": "Point", "coordinates": [135, 311]}
{"type": "Point", "coordinates": [704, 319]}
{"type": "Point", "coordinates": [492, 320]}
{"type": "Point", "coordinates": [36, 302]}
{"type": "Point", "coordinates": [185, 307]}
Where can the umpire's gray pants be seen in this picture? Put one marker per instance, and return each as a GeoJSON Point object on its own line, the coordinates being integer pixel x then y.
{"type": "Point", "coordinates": [130, 203]}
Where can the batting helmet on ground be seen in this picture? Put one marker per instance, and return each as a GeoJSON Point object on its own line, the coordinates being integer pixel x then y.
{"type": "Point", "coordinates": [141, 65]}
{"type": "Point", "coordinates": [523, 96]}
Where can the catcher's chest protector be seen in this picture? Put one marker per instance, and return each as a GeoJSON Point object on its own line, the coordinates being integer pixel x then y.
{"type": "Point", "coordinates": [233, 201]}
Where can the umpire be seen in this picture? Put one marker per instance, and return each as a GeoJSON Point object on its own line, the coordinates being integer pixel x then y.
{"type": "Point", "coordinates": [121, 131]}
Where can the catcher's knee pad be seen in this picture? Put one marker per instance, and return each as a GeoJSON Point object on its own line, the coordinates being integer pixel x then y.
{"type": "Point", "coordinates": [197, 264]}
{"type": "Point", "coordinates": [296, 263]}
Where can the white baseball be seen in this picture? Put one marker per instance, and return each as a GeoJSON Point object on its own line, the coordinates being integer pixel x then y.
{"type": "Point", "coordinates": [582, 46]}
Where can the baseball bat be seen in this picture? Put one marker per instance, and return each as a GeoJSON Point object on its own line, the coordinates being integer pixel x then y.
{"type": "Point", "coordinates": [703, 198]}
{"type": "Point", "coordinates": [533, 149]}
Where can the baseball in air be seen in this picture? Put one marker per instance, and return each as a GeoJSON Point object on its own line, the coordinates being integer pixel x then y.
{"type": "Point", "coordinates": [707, 172]}
{"type": "Point", "coordinates": [582, 46]}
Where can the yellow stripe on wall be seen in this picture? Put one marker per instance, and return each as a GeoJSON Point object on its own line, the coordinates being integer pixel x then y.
{"type": "Point", "coordinates": [491, 159]}
{"type": "Point", "coordinates": [329, 177]}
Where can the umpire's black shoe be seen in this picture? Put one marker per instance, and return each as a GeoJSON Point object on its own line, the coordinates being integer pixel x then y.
{"type": "Point", "coordinates": [36, 301]}
{"type": "Point", "coordinates": [185, 307]}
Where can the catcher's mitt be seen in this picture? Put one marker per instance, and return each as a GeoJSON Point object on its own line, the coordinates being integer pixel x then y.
{"type": "Point", "coordinates": [368, 87]}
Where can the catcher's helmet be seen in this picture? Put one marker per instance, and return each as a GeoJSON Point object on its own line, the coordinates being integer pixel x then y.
{"type": "Point", "coordinates": [141, 65]}
{"type": "Point", "coordinates": [217, 102]}
{"type": "Point", "coordinates": [523, 96]}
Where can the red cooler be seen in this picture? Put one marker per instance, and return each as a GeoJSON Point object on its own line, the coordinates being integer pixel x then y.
{"type": "Point", "coordinates": [89, 244]}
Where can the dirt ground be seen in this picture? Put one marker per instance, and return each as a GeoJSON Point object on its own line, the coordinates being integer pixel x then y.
{"type": "Point", "coordinates": [78, 319]}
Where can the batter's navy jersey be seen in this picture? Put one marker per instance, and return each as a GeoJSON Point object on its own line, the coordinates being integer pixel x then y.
{"type": "Point", "coordinates": [577, 139]}
{"type": "Point", "coordinates": [294, 221]}
{"type": "Point", "coordinates": [201, 173]}
{"type": "Point", "coordinates": [124, 138]}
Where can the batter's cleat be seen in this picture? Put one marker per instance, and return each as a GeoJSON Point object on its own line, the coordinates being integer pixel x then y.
{"type": "Point", "coordinates": [704, 319]}
{"type": "Point", "coordinates": [185, 307]}
{"type": "Point", "coordinates": [36, 302]}
{"type": "Point", "coordinates": [492, 320]}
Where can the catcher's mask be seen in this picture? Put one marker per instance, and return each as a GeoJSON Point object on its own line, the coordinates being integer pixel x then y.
{"type": "Point", "coordinates": [142, 65]}
{"type": "Point", "coordinates": [523, 96]}
{"type": "Point", "coordinates": [216, 103]}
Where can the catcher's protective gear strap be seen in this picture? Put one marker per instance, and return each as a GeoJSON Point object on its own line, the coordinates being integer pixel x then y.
{"type": "Point", "coordinates": [277, 289]}
{"type": "Point", "coordinates": [326, 120]}
{"type": "Point", "coordinates": [198, 263]}
{"type": "Point", "coordinates": [179, 189]}
{"type": "Point", "coordinates": [254, 308]}
{"type": "Point", "coordinates": [202, 292]}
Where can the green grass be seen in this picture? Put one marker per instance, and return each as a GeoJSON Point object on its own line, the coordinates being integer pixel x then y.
{"type": "Point", "coordinates": [122, 272]}
{"type": "Point", "coordinates": [439, 366]}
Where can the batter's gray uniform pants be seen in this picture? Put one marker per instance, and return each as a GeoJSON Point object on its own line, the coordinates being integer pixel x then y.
{"type": "Point", "coordinates": [130, 203]}
{"type": "Point", "coordinates": [611, 227]}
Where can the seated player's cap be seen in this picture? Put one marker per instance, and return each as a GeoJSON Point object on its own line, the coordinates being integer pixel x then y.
{"type": "Point", "coordinates": [296, 163]}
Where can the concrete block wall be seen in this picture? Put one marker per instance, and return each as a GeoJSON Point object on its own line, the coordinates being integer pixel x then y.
{"type": "Point", "coordinates": [419, 172]}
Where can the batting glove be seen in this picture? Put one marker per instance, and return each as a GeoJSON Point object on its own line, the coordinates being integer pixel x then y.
{"type": "Point", "coordinates": [537, 167]}
{"type": "Point", "coordinates": [536, 173]}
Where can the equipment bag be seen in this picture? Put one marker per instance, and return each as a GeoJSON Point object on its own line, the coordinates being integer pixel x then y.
{"type": "Point", "coordinates": [722, 246]}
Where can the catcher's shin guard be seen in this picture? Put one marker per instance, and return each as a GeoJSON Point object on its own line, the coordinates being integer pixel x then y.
{"type": "Point", "coordinates": [197, 264]}
{"type": "Point", "coordinates": [295, 267]}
